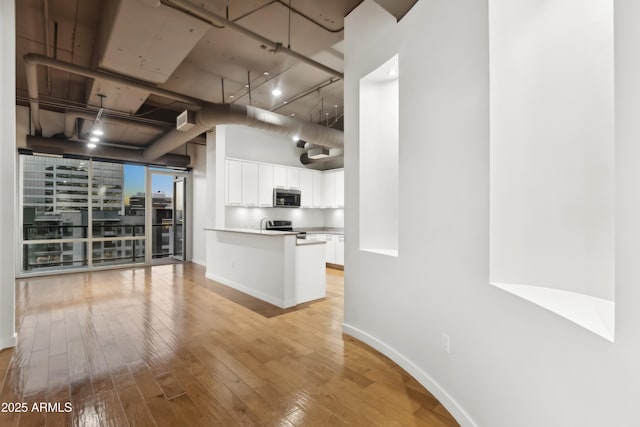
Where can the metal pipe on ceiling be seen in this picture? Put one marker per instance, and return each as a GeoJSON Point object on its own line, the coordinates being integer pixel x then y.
{"type": "Point", "coordinates": [32, 60]}
{"type": "Point", "coordinates": [211, 17]}
{"type": "Point", "coordinates": [235, 114]}
{"type": "Point", "coordinates": [207, 118]}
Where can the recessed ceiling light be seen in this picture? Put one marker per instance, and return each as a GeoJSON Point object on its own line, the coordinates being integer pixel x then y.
{"type": "Point", "coordinates": [266, 73]}
{"type": "Point", "coordinates": [392, 72]}
{"type": "Point", "coordinates": [94, 139]}
{"type": "Point", "coordinates": [97, 131]}
{"type": "Point", "coordinates": [326, 114]}
{"type": "Point", "coordinates": [91, 145]}
{"type": "Point", "coordinates": [295, 138]}
{"type": "Point", "coordinates": [336, 106]}
{"type": "Point", "coordinates": [284, 102]}
{"type": "Point", "coordinates": [276, 92]}
{"type": "Point", "coordinates": [231, 96]}
{"type": "Point", "coordinates": [246, 85]}
{"type": "Point", "coordinates": [292, 114]}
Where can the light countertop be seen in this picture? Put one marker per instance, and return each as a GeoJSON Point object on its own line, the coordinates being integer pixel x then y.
{"type": "Point", "coordinates": [304, 242]}
{"type": "Point", "coordinates": [254, 231]}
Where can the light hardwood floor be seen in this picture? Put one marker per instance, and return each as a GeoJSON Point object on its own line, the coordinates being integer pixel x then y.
{"type": "Point", "coordinates": [164, 346]}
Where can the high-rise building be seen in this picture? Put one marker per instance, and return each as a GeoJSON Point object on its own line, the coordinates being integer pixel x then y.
{"type": "Point", "coordinates": [55, 207]}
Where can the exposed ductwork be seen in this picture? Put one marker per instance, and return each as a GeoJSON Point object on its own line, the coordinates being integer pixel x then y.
{"type": "Point", "coordinates": [32, 60]}
{"type": "Point", "coordinates": [213, 18]}
{"type": "Point", "coordinates": [208, 116]}
{"type": "Point", "coordinates": [212, 115]}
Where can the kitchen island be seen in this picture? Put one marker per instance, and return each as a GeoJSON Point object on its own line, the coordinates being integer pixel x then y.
{"type": "Point", "coordinates": [273, 266]}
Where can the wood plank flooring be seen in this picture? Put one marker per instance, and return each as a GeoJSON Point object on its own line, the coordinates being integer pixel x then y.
{"type": "Point", "coordinates": [164, 346]}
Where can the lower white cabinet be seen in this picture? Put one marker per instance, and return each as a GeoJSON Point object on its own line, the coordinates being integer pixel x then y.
{"type": "Point", "coordinates": [331, 248]}
{"type": "Point", "coordinates": [339, 241]}
{"type": "Point", "coordinates": [334, 247]}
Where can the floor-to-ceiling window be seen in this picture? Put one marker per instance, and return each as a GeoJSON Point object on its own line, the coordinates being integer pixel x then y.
{"type": "Point", "coordinates": [60, 232]}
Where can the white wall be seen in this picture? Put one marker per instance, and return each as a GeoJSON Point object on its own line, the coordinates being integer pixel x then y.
{"type": "Point", "coordinates": [552, 144]}
{"type": "Point", "coordinates": [333, 218]}
{"type": "Point", "coordinates": [240, 217]}
{"type": "Point", "coordinates": [8, 158]}
{"type": "Point", "coordinates": [512, 363]}
{"type": "Point", "coordinates": [200, 203]}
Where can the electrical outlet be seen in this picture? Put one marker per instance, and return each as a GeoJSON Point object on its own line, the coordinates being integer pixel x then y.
{"type": "Point", "coordinates": [446, 343]}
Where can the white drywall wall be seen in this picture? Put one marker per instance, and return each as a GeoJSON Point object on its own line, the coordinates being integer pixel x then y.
{"type": "Point", "coordinates": [8, 157]}
{"type": "Point", "coordinates": [511, 363]}
{"type": "Point", "coordinates": [552, 144]}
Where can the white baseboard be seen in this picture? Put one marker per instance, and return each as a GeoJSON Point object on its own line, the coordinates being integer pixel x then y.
{"type": "Point", "coordinates": [249, 291]}
{"type": "Point", "coordinates": [7, 342]}
{"type": "Point", "coordinates": [199, 262]}
{"type": "Point", "coordinates": [422, 377]}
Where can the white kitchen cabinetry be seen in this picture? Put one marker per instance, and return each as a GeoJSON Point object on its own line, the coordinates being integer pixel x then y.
{"type": "Point", "coordinates": [293, 178]}
{"type": "Point", "coordinates": [234, 182]}
{"type": "Point", "coordinates": [330, 189]}
{"type": "Point", "coordinates": [265, 185]}
{"type": "Point", "coordinates": [340, 189]}
{"type": "Point", "coordinates": [339, 241]}
{"type": "Point", "coordinates": [331, 248]}
{"type": "Point", "coordinates": [306, 188]}
{"type": "Point", "coordinates": [280, 176]}
{"type": "Point", "coordinates": [318, 189]}
{"type": "Point", "coordinates": [249, 184]}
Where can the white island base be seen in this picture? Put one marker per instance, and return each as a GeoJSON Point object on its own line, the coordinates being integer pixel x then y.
{"type": "Point", "coordinates": [270, 265]}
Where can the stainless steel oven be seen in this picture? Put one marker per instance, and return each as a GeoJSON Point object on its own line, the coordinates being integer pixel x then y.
{"type": "Point", "coordinates": [286, 198]}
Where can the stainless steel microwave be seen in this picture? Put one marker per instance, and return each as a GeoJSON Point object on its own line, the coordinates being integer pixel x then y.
{"type": "Point", "coordinates": [286, 198]}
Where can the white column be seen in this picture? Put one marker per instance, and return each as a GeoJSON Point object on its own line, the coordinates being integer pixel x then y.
{"type": "Point", "coordinates": [7, 173]}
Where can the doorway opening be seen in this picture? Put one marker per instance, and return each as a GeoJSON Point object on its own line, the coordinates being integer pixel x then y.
{"type": "Point", "coordinates": [167, 216]}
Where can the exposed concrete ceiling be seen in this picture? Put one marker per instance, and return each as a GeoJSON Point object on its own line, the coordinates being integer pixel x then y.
{"type": "Point", "coordinates": [161, 44]}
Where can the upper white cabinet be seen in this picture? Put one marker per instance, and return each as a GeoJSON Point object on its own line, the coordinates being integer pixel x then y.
{"type": "Point", "coordinates": [329, 189]}
{"type": "Point", "coordinates": [252, 183]}
{"type": "Point", "coordinates": [306, 188]}
{"type": "Point", "coordinates": [340, 188]}
{"type": "Point", "coordinates": [249, 184]}
{"type": "Point", "coordinates": [293, 178]}
{"type": "Point", "coordinates": [280, 176]}
{"type": "Point", "coordinates": [234, 182]}
{"type": "Point", "coordinates": [318, 189]}
{"type": "Point", "coordinates": [265, 185]}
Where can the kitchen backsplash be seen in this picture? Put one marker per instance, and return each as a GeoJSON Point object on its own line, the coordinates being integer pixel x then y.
{"type": "Point", "coordinates": [240, 217]}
